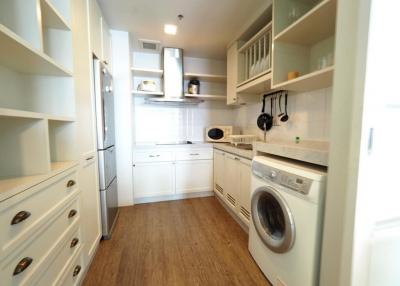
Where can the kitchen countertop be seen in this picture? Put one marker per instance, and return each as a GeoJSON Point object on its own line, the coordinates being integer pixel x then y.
{"type": "Point", "coordinates": [248, 154]}
{"type": "Point", "coordinates": [315, 152]}
{"type": "Point", "coordinates": [194, 145]}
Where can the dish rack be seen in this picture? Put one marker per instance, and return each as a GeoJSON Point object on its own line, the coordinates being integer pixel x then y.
{"type": "Point", "coordinates": [242, 139]}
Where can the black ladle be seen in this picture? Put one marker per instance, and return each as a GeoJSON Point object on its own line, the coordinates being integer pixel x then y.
{"type": "Point", "coordinates": [285, 117]}
{"type": "Point", "coordinates": [280, 106]}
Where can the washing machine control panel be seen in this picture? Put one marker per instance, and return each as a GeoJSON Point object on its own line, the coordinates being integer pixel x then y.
{"type": "Point", "coordinates": [286, 179]}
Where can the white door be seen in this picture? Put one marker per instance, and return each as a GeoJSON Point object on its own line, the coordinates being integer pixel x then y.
{"type": "Point", "coordinates": [245, 190]}
{"type": "Point", "coordinates": [232, 186]}
{"type": "Point", "coordinates": [153, 179]}
{"type": "Point", "coordinates": [219, 166]}
{"type": "Point", "coordinates": [194, 176]}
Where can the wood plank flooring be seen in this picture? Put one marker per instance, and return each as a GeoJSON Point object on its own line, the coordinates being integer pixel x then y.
{"type": "Point", "coordinates": [186, 242]}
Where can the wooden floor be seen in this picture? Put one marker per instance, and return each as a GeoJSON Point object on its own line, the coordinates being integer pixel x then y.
{"type": "Point", "coordinates": [186, 242]}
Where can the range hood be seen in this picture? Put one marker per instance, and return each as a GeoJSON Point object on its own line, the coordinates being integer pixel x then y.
{"type": "Point", "coordinates": [173, 79]}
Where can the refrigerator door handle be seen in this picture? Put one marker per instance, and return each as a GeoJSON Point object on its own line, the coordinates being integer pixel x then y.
{"type": "Point", "coordinates": [103, 116]}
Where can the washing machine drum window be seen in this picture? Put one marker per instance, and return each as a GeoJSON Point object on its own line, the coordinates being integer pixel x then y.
{"type": "Point", "coordinates": [272, 219]}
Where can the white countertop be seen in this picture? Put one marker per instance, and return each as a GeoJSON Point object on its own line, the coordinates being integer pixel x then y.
{"type": "Point", "coordinates": [248, 154]}
{"type": "Point", "coordinates": [194, 145]}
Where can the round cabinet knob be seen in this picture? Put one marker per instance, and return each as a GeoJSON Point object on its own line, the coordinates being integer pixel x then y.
{"type": "Point", "coordinates": [273, 175]}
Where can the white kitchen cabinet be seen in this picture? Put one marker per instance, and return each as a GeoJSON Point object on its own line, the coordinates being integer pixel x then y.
{"type": "Point", "coordinates": [232, 74]}
{"type": "Point", "coordinates": [95, 19]}
{"type": "Point", "coordinates": [232, 183]}
{"type": "Point", "coordinates": [106, 43]}
{"type": "Point", "coordinates": [244, 201]}
{"type": "Point", "coordinates": [194, 176]}
{"type": "Point", "coordinates": [153, 179]}
{"type": "Point", "coordinates": [219, 181]}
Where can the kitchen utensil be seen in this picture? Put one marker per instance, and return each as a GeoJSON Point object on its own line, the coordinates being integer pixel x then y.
{"type": "Point", "coordinates": [275, 114]}
{"type": "Point", "coordinates": [285, 117]}
{"type": "Point", "coordinates": [147, 85]}
{"type": "Point", "coordinates": [264, 120]}
{"type": "Point", "coordinates": [280, 106]}
{"type": "Point", "coordinates": [194, 86]}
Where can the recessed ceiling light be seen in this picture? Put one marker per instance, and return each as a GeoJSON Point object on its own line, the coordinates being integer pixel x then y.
{"type": "Point", "coordinates": [170, 29]}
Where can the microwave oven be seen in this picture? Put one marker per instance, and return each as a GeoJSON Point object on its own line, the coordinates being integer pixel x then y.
{"type": "Point", "coordinates": [220, 133]}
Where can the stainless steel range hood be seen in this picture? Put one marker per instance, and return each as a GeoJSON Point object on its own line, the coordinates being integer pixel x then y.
{"type": "Point", "coordinates": [173, 79]}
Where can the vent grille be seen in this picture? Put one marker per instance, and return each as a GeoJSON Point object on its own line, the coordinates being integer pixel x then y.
{"type": "Point", "coordinates": [231, 199]}
{"type": "Point", "coordinates": [219, 189]}
{"type": "Point", "coordinates": [245, 213]}
{"type": "Point", "coordinates": [149, 45]}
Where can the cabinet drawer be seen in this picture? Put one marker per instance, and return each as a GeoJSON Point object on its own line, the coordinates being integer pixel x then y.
{"type": "Point", "coordinates": [70, 246]}
{"type": "Point", "coordinates": [153, 156]}
{"type": "Point", "coordinates": [194, 154]}
{"type": "Point", "coordinates": [21, 215]}
{"type": "Point", "coordinates": [32, 254]}
{"type": "Point", "coordinates": [72, 274]}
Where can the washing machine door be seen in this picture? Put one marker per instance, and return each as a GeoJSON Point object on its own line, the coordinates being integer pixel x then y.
{"type": "Point", "coordinates": [272, 219]}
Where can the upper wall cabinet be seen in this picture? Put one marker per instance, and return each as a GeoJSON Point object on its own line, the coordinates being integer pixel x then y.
{"type": "Point", "coordinates": [100, 37]}
{"type": "Point", "coordinates": [304, 37]}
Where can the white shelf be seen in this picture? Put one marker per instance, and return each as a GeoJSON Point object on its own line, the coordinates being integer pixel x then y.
{"type": "Point", "coordinates": [154, 93]}
{"type": "Point", "coordinates": [52, 18]}
{"type": "Point", "coordinates": [147, 72]}
{"type": "Point", "coordinates": [256, 86]}
{"type": "Point", "coordinates": [18, 55]}
{"type": "Point", "coordinates": [4, 112]}
{"type": "Point", "coordinates": [205, 77]}
{"type": "Point", "coordinates": [314, 80]}
{"type": "Point", "coordinates": [206, 96]}
{"type": "Point", "coordinates": [12, 186]}
{"type": "Point", "coordinates": [313, 27]}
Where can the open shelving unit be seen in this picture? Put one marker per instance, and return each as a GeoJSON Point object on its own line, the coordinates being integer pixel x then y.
{"type": "Point", "coordinates": [205, 77]}
{"type": "Point", "coordinates": [142, 72]}
{"type": "Point", "coordinates": [256, 85]}
{"type": "Point", "coordinates": [305, 45]}
{"type": "Point", "coordinates": [37, 107]}
{"type": "Point", "coordinates": [206, 96]}
{"type": "Point", "coordinates": [147, 93]}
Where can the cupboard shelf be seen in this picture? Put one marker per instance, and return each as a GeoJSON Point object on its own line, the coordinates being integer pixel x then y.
{"type": "Point", "coordinates": [147, 72]}
{"type": "Point", "coordinates": [12, 186]}
{"type": "Point", "coordinates": [144, 93]}
{"type": "Point", "coordinates": [26, 59]}
{"type": "Point", "coordinates": [314, 26]}
{"type": "Point", "coordinates": [255, 86]}
{"type": "Point", "coordinates": [52, 18]}
{"type": "Point", "coordinates": [255, 37]}
{"type": "Point", "coordinates": [4, 112]}
{"type": "Point", "coordinates": [311, 81]}
{"type": "Point", "coordinates": [206, 96]}
{"type": "Point", "coordinates": [205, 77]}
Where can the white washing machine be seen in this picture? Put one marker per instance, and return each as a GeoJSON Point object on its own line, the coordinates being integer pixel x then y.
{"type": "Point", "coordinates": [287, 202]}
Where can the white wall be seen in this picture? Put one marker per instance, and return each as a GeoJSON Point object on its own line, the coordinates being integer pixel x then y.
{"type": "Point", "coordinates": [161, 123]}
{"type": "Point", "coordinates": [309, 117]}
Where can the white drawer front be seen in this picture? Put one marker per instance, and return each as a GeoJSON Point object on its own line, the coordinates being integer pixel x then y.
{"type": "Point", "coordinates": [38, 250]}
{"type": "Point", "coordinates": [194, 154]}
{"type": "Point", "coordinates": [22, 214]}
{"type": "Point", "coordinates": [72, 274]}
{"type": "Point", "coordinates": [70, 246]}
{"type": "Point", "coordinates": [153, 156]}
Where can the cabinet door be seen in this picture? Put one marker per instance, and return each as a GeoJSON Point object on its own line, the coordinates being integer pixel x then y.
{"type": "Point", "coordinates": [194, 176]}
{"type": "Point", "coordinates": [245, 190]}
{"type": "Point", "coordinates": [153, 179]}
{"type": "Point", "coordinates": [232, 186]}
{"type": "Point", "coordinates": [232, 72]}
{"type": "Point", "coordinates": [106, 43]}
{"type": "Point", "coordinates": [95, 28]}
{"type": "Point", "coordinates": [219, 163]}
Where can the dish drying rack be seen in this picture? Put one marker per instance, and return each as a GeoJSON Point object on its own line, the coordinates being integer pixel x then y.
{"type": "Point", "coordinates": [242, 139]}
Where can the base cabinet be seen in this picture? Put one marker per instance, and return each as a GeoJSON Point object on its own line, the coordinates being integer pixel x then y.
{"type": "Point", "coordinates": [194, 176]}
{"type": "Point", "coordinates": [232, 182]}
{"type": "Point", "coordinates": [153, 179]}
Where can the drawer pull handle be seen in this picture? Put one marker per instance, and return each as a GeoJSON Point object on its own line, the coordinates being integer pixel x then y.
{"type": "Point", "coordinates": [72, 213]}
{"type": "Point", "coordinates": [74, 242]}
{"type": "Point", "coordinates": [77, 269]}
{"type": "Point", "coordinates": [71, 183]}
{"type": "Point", "coordinates": [89, 158]}
{"type": "Point", "coordinates": [20, 217]}
{"type": "Point", "coordinates": [22, 265]}
{"type": "Point", "coordinates": [194, 154]}
{"type": "Point", "coordinates": [236, 158]}
{"type": "Point", "coordinates": [152, 156]}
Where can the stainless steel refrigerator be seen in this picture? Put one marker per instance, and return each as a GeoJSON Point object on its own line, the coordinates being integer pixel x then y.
{"type": "Point", "coordinates": [104, 100]}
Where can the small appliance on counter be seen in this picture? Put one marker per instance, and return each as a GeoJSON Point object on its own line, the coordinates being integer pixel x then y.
{"type": "Point", "coordinates": [194, 86]}
{"type": "Point", "coordinates": [221, 133]}
{"type": "Point", "coordinates": [147, 85]}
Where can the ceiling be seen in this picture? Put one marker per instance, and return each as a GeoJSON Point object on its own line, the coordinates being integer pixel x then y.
{"type": "Point", "coordinates": [206, 30]}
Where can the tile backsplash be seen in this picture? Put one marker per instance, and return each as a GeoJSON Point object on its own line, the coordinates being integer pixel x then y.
{"type": "Point", "coordinates": [164, 123]}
